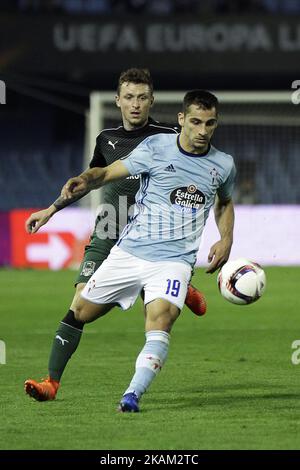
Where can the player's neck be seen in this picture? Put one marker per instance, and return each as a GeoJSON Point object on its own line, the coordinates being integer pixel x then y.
{"type": "Point", "coordinates": [188, 148]}
{"type": "Point", "coordinates": [131, 127]}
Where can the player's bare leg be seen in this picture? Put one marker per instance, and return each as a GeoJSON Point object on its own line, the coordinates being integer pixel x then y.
{"type": "Point", "coordinates": [88, 312]}
{"type": "Point", "coordinates": [160, 316]}
{"type": "Point", "coordinates": [195, 301]}
{"type": "Point", "coordinates": [64, 345]}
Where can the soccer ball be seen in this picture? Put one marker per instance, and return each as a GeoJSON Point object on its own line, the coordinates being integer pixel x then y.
{"type": "Point", "coordinates": [241, 281]}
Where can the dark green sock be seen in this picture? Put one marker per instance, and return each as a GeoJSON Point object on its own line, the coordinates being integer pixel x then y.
{"type": "Point", "coordinates": [64, 345]}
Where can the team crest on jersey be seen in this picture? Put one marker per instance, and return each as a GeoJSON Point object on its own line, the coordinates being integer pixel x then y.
{"type": "Point", "coordinates": [187, 199]}
{"type": "Point", "coordinates": [214, 176]}
{"type": "Point", "coordinates": [88, 268]}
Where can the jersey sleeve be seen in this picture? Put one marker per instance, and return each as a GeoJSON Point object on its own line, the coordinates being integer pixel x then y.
{"type": "Point", "coordinates": [140, 159]}
{"type": "Point", "coordinates": [98, 159]}
{"type": "Point", "coordinates": [225, 191]}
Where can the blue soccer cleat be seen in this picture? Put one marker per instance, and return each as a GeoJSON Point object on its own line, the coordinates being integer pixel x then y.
{"type": "Point", "coordinates": [129, 403]}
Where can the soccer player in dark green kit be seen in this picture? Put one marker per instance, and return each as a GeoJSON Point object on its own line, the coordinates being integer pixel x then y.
{"type": "Point", "coordinates": [134, 98]}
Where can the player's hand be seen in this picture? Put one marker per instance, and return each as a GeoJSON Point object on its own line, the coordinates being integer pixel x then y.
{"type": "Point", "coordinates": [218, 255]}
{"type": "Point", "coordinates": [74, 187]}
{"type": "Point", "coordinates": [38, 219]}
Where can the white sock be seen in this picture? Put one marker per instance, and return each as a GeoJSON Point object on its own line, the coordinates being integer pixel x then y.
{"type": "Point", "coordinates": [149, 361]}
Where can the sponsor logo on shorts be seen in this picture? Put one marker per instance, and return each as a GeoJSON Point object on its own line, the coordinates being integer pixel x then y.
{"type": "Point", "coordinates": [88, 268]}
{"type": "Point", "coordinates": [187, 199]}
{"type": "Point", "coordinates": [91, 284]}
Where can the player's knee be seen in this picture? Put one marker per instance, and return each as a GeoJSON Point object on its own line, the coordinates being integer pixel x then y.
{"type": "Point", "coordinates": [77, 296]}
{"type": "Point", "coordinates": [162, 319]}
{"type": "Point", "coordinates": [170, 317]}
{"type": "Point", "coordinates": [87, 312]}
{"type": "Point", "coordinates": [78, 312]}
{"type": "Point", "coordinates": [81, 312]}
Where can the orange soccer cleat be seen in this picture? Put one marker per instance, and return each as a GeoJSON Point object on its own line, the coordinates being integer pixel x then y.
{"type": "Point", "coordinates": [195, 301]}
{"type": "Point", "coordinates": [41, 391]}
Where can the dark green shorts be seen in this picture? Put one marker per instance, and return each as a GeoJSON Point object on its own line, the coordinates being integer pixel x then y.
{"type": "Point", "coordinates": [94, 255]}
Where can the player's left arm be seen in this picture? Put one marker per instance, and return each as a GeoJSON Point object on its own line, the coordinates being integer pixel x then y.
{"type": "Point", "coordinates": [220, 251]}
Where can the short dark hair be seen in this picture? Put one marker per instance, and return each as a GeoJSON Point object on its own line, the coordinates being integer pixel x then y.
{"type": "Point", "coordinates": [135, 76]}
{"type": "Point", "coordinates": [201, 98]}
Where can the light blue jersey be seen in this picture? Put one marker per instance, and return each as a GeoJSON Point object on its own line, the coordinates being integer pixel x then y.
{"type": "Point", "coordinates": [176, 193]}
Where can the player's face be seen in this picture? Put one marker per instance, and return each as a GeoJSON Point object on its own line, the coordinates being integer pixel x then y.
{"type": "Point", "coordinates": [135, 101]}
{"type": "Point", "coordinates": [198, 126]}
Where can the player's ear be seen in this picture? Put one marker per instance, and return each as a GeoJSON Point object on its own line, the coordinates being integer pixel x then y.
{"type": "Point", "coordinates": [217, 119]}
{"type": "Point", "coordinates": [151, 101]}
{"type": "Point", "coordinates": [181, 119]}
{"type": "Point", "coordinates": [117, 101]}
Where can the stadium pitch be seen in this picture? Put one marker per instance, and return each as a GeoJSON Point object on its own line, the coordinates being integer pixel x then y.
{"type": "Point", "coordinates": [228, 383]}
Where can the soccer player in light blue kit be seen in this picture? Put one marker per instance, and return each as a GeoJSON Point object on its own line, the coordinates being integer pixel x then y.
{"type": "Point", "coordinates": [181, 178]}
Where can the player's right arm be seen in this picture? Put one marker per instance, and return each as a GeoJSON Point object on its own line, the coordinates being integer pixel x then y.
{"type": "Point", "coordinates": [135, 163]}
{"type": "Point", "coordinates": [75, 188]}
{"type": "Point", "coordinates": [40, 218]}
{"type": "Point", "coordinates": [94, 178]}
{"type": "Point", "coordinates": [139, 161]}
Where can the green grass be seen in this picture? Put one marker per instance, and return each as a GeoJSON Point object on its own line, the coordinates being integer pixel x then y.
{"type": "Point", "coordinates": [228, 382]}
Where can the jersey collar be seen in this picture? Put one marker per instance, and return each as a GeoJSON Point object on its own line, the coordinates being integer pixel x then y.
{"type": "Point", "coordinates": [195, 155]}
{"type": "Point", "coordinates": [140, 130]}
